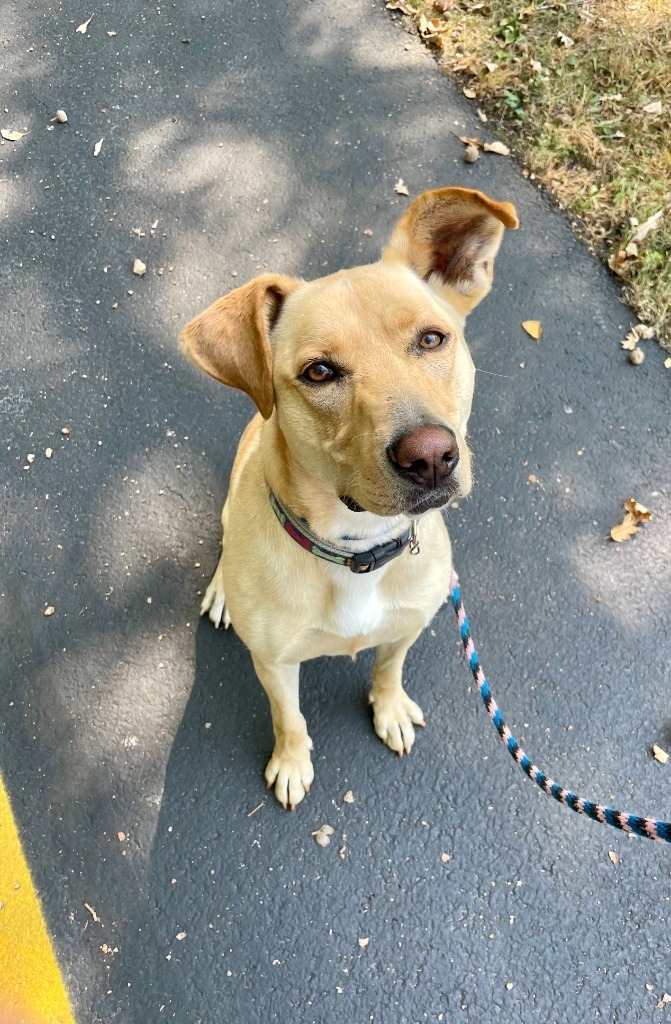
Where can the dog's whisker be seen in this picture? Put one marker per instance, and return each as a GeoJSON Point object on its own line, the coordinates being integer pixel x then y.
{"type": "Point", "coordinates": [492, 374]}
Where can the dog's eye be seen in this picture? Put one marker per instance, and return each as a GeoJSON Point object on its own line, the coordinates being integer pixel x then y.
{"type": "Point", "coordinates": [431, 340]}
{"type": "Point", "coordinates": [320, 373]}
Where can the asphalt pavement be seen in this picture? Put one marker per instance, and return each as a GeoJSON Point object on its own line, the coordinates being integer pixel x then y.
{"type": "Point", "coordinates": [238, 138]}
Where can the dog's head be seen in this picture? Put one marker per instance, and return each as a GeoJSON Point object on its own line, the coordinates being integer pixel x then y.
{"type": "Point", "coordinates": [366, 371]}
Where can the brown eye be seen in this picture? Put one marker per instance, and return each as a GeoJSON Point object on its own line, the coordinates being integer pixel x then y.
{"type": "Point", "coordinates": [431, 340]}
{"type": "Point", "coordinates": [320, 373]}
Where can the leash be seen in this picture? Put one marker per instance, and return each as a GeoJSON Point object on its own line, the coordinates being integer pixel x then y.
{"type": "Point", "coordinates": [647, 827]}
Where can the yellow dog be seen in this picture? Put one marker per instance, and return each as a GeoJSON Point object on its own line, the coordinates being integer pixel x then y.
{"type": "Point", "coordinates": [333, 538]}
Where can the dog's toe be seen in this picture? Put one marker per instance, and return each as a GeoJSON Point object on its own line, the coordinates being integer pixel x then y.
{"type": "Point", "coordinates": [394, 718]}
{"type": "Point", "coordinates": [291, 774]}
{"type": "Point", "coordinates": [214, 605]}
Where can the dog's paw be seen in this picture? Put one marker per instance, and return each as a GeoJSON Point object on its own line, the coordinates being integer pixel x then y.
{"type": "Point", "coordinates": [214, 603]}
{"type": "Point", "coordinates": [291, 773]}
{"type": "Point", "coordinates": [394, 718]}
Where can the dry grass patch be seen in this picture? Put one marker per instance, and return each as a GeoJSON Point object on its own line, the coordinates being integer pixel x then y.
{"type": "Point", "coordinates": [585, 87]}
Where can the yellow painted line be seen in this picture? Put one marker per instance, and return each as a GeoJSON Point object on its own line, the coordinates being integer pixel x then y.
{"type": "Point", "coordinates": [31, 990]}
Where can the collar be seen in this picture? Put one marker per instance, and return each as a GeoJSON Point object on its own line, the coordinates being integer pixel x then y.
{"type": "Point", "coordinates": [357, 562]}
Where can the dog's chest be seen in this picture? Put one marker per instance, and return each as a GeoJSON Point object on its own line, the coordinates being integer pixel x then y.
{"type": "Point", "coordinates": [357, 606]}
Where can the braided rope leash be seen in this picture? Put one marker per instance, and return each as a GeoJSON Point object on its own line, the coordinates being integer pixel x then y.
{"type": "Point", "coordinates": [647, 827]}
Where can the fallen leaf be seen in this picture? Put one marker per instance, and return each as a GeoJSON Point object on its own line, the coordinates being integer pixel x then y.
{"type": "Point", "coordinates": [61, 117]}
{"type": "Point", "coordinates": [496, 147]}
{"type": "Point", "coordinates": [468, 141]}
{"type": "Point", "coordinates": [396, 5]}
{"type": "Point", "coordinates": [348, 797]}
{"type": "Point", "coordinates": [653, 108]}
{"type": "Point", "coordinates": [630, 342]}
{"type": "Point", "coordinates": [666, 998]}
{"type": "Point", "coordinates": [481, 114]}
{"type": "Point", "coordinates": [10, 135]}
{"type": "Point", "coordinates": [323, 835]}
{"type": "Point", "coordinates": [139, 268]}
{"type": "Point", "coordinates": [83, 27]}
{"type": "Point", "coordinates": [631, 250]}
{"type": "Point", "coordinates": [624, 530]}
{"type": "Point", "coordinates": [667, 363]}
{"type": "Point", "coordinates": [640, 512]}
{"type": "Point", "coordinates": [565, 40]}
{"type": "Point", "coordinates": [534, 328]}
{"type": "Point", "coordinates": [616, 262]}
{"type": "Point", "coordinates": [442, 5]}
{"type": "Point", "coordinates": [111, 34]}
{"type": "Point", "coordinates": [659, 754]}
{"type": "Point", "coordinates": [637, 356]}
{"type": "Point", "coordinates": [49, 610]}
{"type": "Point", "coordinates": [644, 332]}
{"type": "Point", "coordinates": [423, 24]}
{"type": "Point", "coordinates": [470, 94]}
{"type": "Point", "coordinates": [491, 67]}
{"type": "Point", "coordinates": [614, 857]}
{"type": "Point", "coordinates": [401, 188]}
{"type": "Point", "coordinates": [363, 942]}
{"type": "Point", "coordinates": [180, 936]}
{"type": "Point", "coordinates": [647, 226]}
{"type": "Point", "coordinates": [98, 146]}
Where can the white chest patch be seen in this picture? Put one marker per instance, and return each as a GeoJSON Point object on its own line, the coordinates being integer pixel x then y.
{"type": "Point", "coordinates": [356, 608]}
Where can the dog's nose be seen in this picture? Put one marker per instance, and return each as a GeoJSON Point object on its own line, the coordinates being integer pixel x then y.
{"type": "Point", "coordinates": [427, 455]}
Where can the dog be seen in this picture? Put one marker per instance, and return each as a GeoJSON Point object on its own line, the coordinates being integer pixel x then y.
{"type": "Point", "coordinates": [333, 539]}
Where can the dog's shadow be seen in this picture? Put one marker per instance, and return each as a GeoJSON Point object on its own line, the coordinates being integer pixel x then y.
{"type": "Point", "coordinates": [226, 859]}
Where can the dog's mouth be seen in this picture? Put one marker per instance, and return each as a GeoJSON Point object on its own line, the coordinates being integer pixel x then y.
{"type": "Point", "coordinates": [352, 505]}
{"type": "Point", "coordinates": [420, 500]}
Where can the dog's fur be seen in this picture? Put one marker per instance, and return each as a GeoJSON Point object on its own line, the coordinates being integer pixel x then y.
{"type": "Point", "coordinates": [313, 443]}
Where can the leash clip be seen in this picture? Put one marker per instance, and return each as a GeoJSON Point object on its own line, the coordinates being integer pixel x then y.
{"type": "Point", "coordinates": [414, 543]}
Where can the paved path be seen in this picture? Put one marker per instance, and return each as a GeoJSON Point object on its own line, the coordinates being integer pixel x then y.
{"type": "Point", "coordinates": [133, 736]}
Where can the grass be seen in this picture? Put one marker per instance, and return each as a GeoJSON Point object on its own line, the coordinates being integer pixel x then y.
{"type": "Point", "coordinates": [569, 79]}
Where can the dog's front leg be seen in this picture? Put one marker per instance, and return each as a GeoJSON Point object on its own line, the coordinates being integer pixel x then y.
{"type": "Point", "coordinates": [394, 714]}
{"type": "Point", "coordinates": [290, 767]}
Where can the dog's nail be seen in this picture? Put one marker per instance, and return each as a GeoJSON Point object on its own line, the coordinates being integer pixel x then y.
{"type": "Point", "coordinates": [307, 789]}
{"type": "Point", "coordinates": [422, 723]}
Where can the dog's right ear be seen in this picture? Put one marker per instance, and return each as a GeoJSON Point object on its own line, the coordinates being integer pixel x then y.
{"type": "Point", "coordinates": [230, 340]}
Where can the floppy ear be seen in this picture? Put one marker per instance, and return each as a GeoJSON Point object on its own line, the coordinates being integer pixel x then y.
{"type": "Point", "coordinates": [450, 237]}
{"type": "Point", "coordinates": [230, 340]}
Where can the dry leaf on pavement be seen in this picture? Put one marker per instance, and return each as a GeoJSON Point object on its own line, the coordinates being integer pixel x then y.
{"type": "Point", "coordinates": [638, 511]}
{"type": "Point", "coordinates": [98, 146]}
{"type": "Point", "coordinates": [624, 530]}
{"type": "Point", "coordinates": [533, 328]}
{"type": "Point", "coordinates": [630, 342]}
{"type": "Point", "coordinates": [496, 147]}
{"type": "Point", "coordinates": [470, 94]}
{"type": "Point", "coordinates": [401, 188]}
{"type": "Point", "coordinates": [83, 27]}
{"type": "Point", "coordinates": [139, 268]}
{"type": "Point", "coordinates": [10, 135]}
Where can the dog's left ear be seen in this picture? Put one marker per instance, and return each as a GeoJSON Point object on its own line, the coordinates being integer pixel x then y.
{"type": "Point", "coordinates": [450, 237]}
{"type": "Point", "coordinates": [231, 339]}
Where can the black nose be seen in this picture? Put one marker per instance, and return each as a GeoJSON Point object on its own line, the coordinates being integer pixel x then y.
{"type": "Point", "coordinates": [427, 455]}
